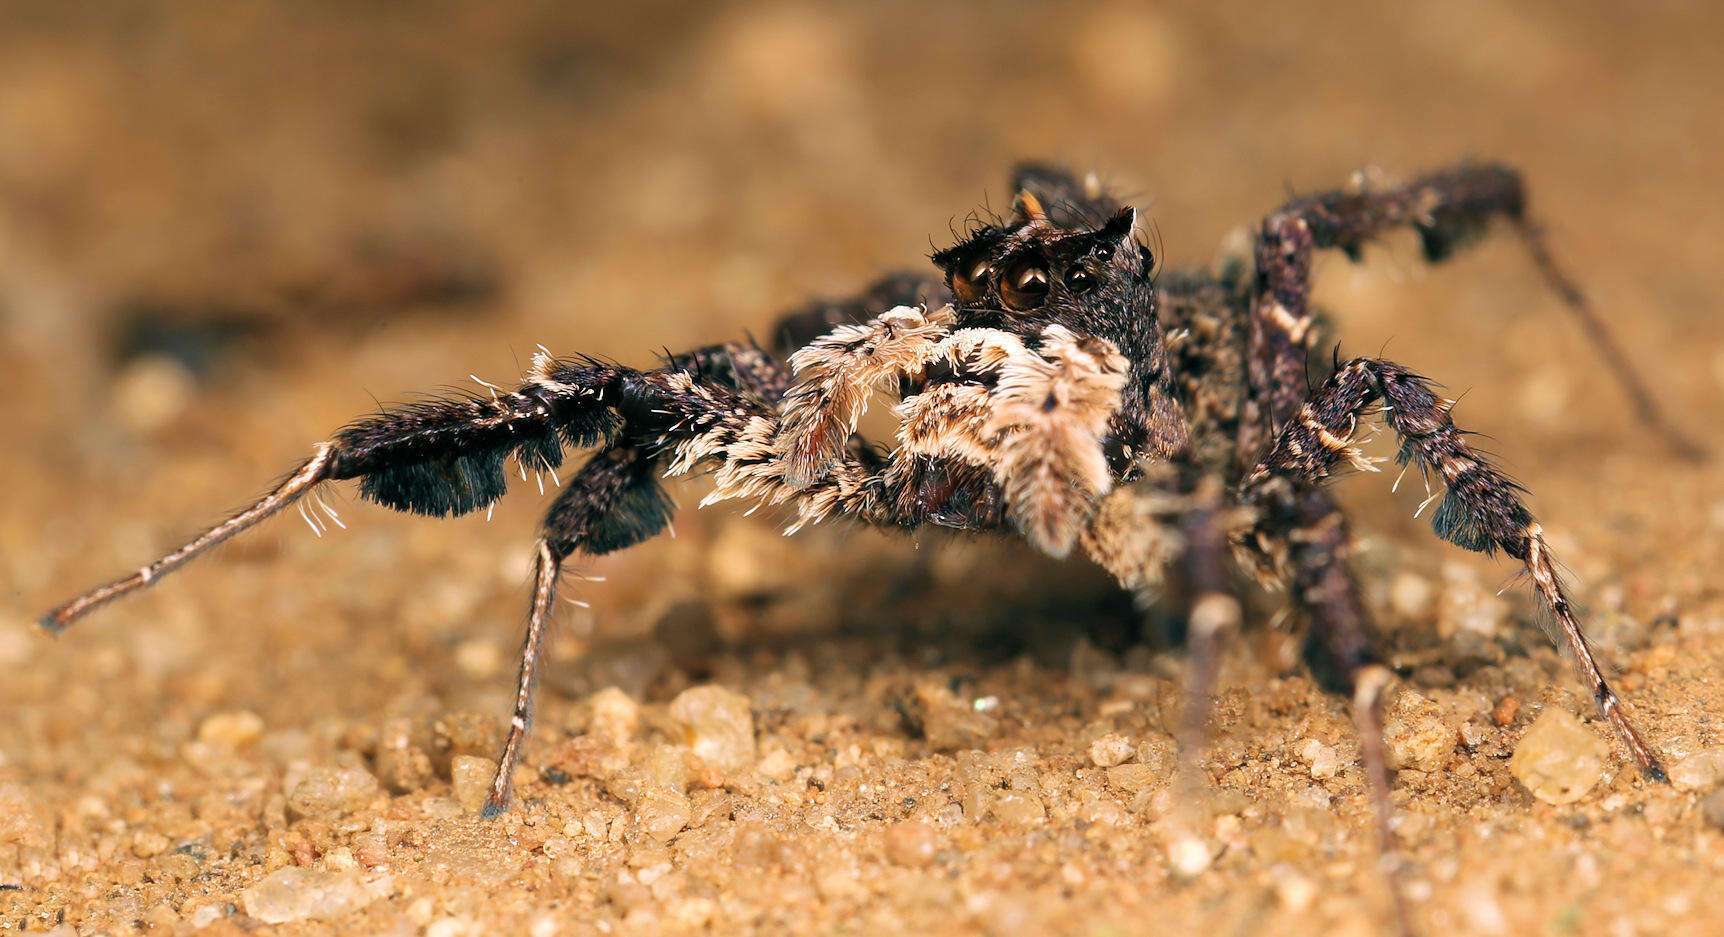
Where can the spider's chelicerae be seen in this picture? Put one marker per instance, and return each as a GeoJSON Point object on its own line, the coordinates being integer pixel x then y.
{"type": "Point", "coordinates": [1050, 385]}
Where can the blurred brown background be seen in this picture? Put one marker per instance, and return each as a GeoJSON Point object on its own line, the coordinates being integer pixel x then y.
{"type": "Point", "coordinates": [225, 227]}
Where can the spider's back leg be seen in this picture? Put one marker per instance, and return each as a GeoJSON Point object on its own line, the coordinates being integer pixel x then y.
{"type": "Point", "coordinates": [1480, 509]}
{"type": "Point", "coordinates": [1447, 209]}
{"type": "Point", "coordinates": [1341, 646]}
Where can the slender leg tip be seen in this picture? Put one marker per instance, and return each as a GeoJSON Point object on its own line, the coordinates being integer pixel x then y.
{"type": "Point", "coordinates": [493, 809]}
{"type": "Point", "coordinates": [1690, 451]}
{"type": "Point", "coordinates": [51, 623]}
{"type": "Point", "coordinates": [1655, 773]}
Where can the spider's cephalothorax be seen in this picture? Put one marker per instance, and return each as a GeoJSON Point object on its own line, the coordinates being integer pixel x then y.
{"type": "Point", "coordinates": [1049, 383]}
{"type": "Point", "coordinates": [1093, 278]}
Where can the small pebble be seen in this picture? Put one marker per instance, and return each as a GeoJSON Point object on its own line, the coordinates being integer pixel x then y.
{"type": "Point", "coordinates": [149, 843]}
{"type": "Point", "coordinates": [371, 849]}
{"type": "Point", "coordinates": [1111, 749]}
{"type": "Point", "coordinates": [949, 723]}
{"type": "Point", "coordinates": [1411, 595]}
{"type": "Point", "coordinates": [1189, 855]}
{"type": "Point", "coordinates": [20, 822]}
{"type": "Point", "coordinates": [1160, 754]}
{"type": "Point", "coordinates": [1559, 759]}
{"type": "Point", "coordinates": [1700, 771]}
{"type": "Point", "coordinates": [718, 724]}
{"type": "Point", "coordinates": [615, 714]}
{"type": "Point", "coordinates": [912, 843]}
{"type": "Point", "coordinates": [1418, 733]}
{"type": "Point", "coordinates": [777, 764]}
{"type": "Point", "coordinates": [465, 733]}
{"type": "Point", "coordinates": [328, 792]}
{"type": "Point", "coordinates": [207, 915]}
{"type": "Point", "coordinates": [661, 814]}
{"type": "Point", "coordinates": [1018, 808]}
{"type": "Point", "coordinates": [1104, 812]}
{"type": "Point", "coordinates": [1712, 809]}
{"type": "Point", "coordinates": [667, 767]}
{"type": "Point", "coordinates": [234, 729]}
{"type": "Point", "coordinates": [1506, 709]}
{"type": "Point", "coordinates": [1473, 735]}
{"type": "Point", "coordinates": [1133, 778]}
{"type": "Point", "coordinates": [1324, 760]}
{"type": "Point", "coordinates": [297, 894]}
{"type": "Point", "coordinates": [339, 859]}
{"type": "Point", "coordinates": [471, 776]}
{"type": "Point", "coordinates": [401, 763]}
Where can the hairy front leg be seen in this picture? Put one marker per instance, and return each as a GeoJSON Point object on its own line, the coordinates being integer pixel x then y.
{"type": "Point", "coordinates": [838, 372]}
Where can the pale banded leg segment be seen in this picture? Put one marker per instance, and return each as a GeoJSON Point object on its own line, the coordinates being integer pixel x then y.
{"type": "Point", "coordinates": [308, 476]}
{"type": "Point", "coordinates": [545, 573]}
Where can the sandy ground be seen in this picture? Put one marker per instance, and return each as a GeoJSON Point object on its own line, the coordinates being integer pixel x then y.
{"type": "Point", "coordinates": [225, 226]}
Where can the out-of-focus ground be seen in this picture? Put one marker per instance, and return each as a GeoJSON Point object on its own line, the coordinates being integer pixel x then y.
{"type": "Point", "coordinates": [226, 227]}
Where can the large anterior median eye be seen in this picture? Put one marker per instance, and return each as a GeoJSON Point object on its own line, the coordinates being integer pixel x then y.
{"type": "Point", "coordinates": [970, 281]}
{"type": "Point", "coordinates": [1025, 285]}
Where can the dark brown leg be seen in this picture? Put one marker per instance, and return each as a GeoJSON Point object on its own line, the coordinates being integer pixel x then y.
{"type": "Point", "coordinates": [1213, 618]}
{"type": "Point", "coordinates": [613, 502]}
{"type": "Point", "coordinates": [1341, 646]}
{"type": "Point", "coordinates": [1605, 343]}
{"type": "Point", "coordinates": [1480, 510]}
{"type": "Point", "coordinates": [1447, 209]}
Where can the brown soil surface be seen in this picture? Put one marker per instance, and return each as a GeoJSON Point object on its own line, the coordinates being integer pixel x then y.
{"type": "Point", "coordinates": [225, 226]}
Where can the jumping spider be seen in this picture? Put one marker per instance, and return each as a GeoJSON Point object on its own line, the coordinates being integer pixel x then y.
{"type": "Point", "coordinates": [1050, 384]}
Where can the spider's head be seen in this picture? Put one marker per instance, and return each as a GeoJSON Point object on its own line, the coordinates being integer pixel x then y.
{"type": "Point", "coordinates": [1034, 271]}
{"type": "Point", "coordinates": [1076, 264]}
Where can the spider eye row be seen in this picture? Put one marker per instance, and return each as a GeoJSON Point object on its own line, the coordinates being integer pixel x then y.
{"type": "Point", "coordinates": [1023, 286]}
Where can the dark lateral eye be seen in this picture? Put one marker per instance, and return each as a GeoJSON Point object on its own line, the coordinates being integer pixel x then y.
{"type": "Point", "coordinates": [1024, 286]}
{"type": "Point", "coordinates": [970, 281]}
{"type": "Point", "coordinates": [1079, 279]}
